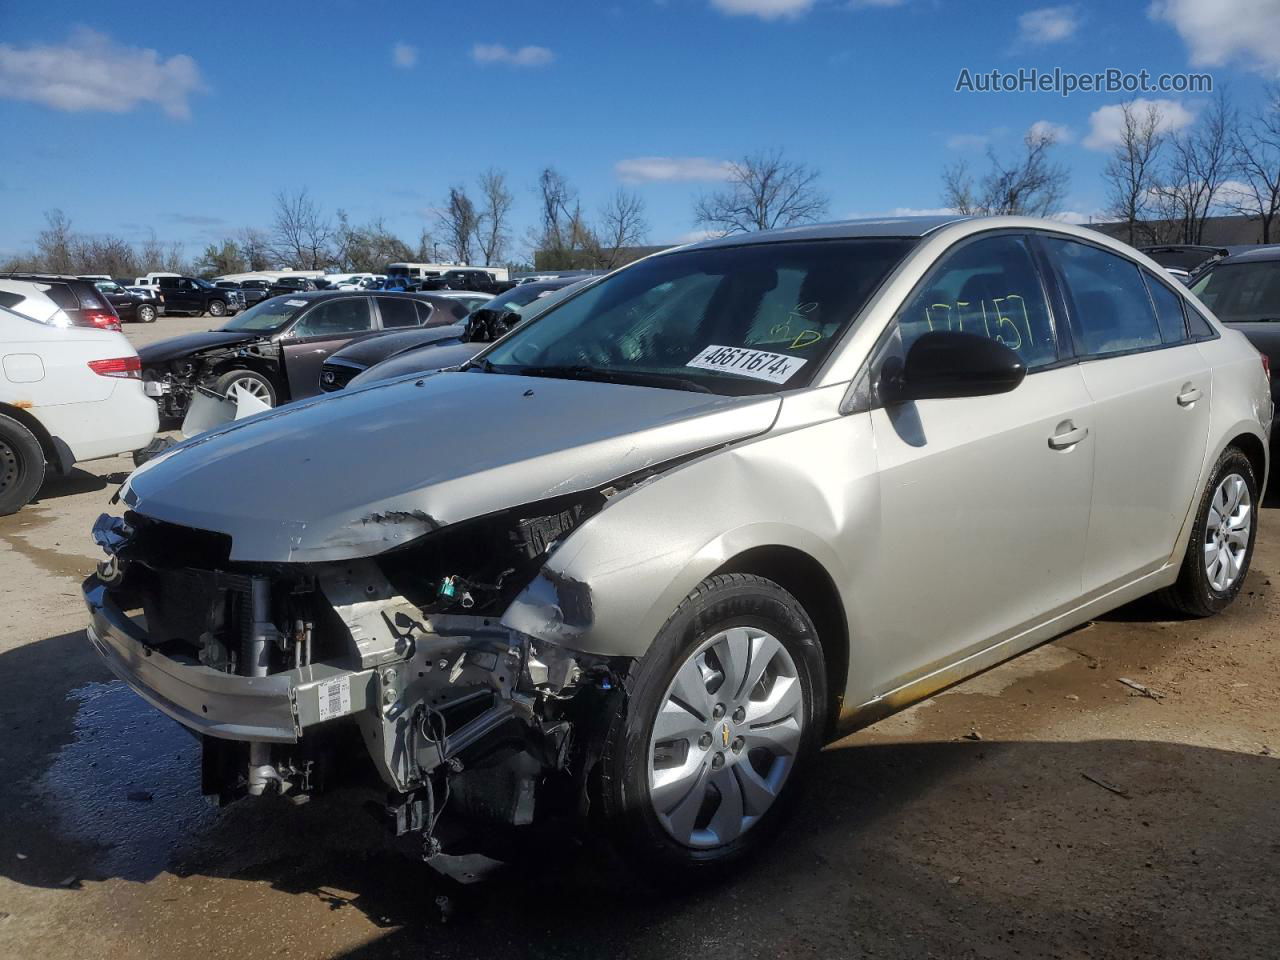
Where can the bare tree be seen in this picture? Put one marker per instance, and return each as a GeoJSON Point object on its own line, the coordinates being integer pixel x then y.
{"type": "Point", "coordinates": [492, 219]}
{"type": "Point", "coordinates": [1256, 150]}
{"type": "Point", "coordinates": [151, 254]}
{"type": "Point", "coordinates": [622, 225]}
{"type": "Point", "coordinates": [766, 190]}
{"type": "Point", "coordinates": [222, 258]}
{"type": "Point", "coordinates": [1200, 161]}
{"type": "Point", "coordinates": [54, 243]}
{"type": "Point", "coordinates": [255, 246]}
{"type": "Point", "coordinates": [457, 221]}
{"type": "Point", "coordinates": [367, 247]}
{"type": "Point", "coordinates": [1031, 186]}
{"type": "Point", "coordinates": [1131, 171]}
{"type": "Point", "coordinates": [559, 217]}
{"type": "Point", "coordinates": [300, 233]}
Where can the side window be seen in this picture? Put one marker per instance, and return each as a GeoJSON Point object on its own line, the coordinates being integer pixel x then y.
{"type": "Point", "coordinates": [991, 288]}
{"type": "Point", "coordinates": [1110, 309]}
{"type": "Point", "coordinates": [335, 318]}
{"type": "Point", "coordinates": [1173, 323]}
{"type": "Point", "coordinates": [1198, 325]}
{"type": "Point", "coordinates": [397, 313]}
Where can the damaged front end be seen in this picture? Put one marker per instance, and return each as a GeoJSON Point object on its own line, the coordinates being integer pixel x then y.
{"type": "Point", "coordinates": [173, 381]}
{"type": "Point", "coordinates": [297, 676]}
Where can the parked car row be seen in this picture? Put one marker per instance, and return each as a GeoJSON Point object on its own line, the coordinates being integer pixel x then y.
{"type": "Point", "coordinates": [633, 562]}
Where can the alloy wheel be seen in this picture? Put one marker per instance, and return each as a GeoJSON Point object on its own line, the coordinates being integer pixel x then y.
{"type": "Point", "coordinates": [1227, 531]}
{"type": "Point", "coordinates": [725, 738]}
{"type": "Point", "coordinates": [216, 309]}
{"type": "Point", "coordinates": [251, 386]}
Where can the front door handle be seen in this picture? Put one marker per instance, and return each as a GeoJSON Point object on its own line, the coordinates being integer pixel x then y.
{"type": "Point", "coordinates": [1067, 435]}
{"type": "Point", "coordinates": [1189, 395]}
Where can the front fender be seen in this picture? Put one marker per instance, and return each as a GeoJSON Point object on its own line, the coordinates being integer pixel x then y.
{"type": "Point", "coordinates": [609, 588]}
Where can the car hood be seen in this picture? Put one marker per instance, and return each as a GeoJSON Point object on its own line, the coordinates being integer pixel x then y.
{"type": "Point", "coordinates": [373, 349]}
{"type": "Point", "coordinates": [420, 360]}
{"type": "Point", "coordinates": [354, 474]}
{"type": "Point", "coordinates": [190, 343]}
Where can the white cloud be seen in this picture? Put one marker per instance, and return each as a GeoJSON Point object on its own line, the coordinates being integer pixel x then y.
{"type": "Point", "coordinates": [1106, 124]}
{"type": "Point", "coordinates": [859, 4]}
{"type": "Point", "coordinates": [1222, 30]}
{"type": "Point", "coordinates": [93, 72]}
{"type": "Point", "coordinates": [967, 141]}
{"type": "Point", "coordinates": [404, 55]}
{"type": "Point", "coordinates": [486, 53]}
{"type": "Point", "coordinates": [1048, 25]}
{"type": "Point", "coordinates": [764, 9]}
{"type": "Point", "coordinates": [670, 169]}
{"type": "Point", "coordinates": [1059, 133]}
{"type": "Point", "coordinates": [903, 212]}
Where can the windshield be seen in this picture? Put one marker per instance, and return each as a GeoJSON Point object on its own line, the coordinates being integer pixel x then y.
{"type": "Point", "coordinates": [746, 319]}
{"type": "Point", "coordinates": [1242, 292]}
{"type": "Point", "coordinates": [266, 316]}
{"type": "Point", "coordinates": [203, 284]}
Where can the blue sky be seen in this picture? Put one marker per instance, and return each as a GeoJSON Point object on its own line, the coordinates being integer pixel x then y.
{"type": "Point", "coordinates": [130, 116]}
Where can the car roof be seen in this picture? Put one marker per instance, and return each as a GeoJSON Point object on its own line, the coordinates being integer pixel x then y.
{"type": "Point", "coordinates": [839, 229]}
{"type": "Point", "coordinates": [1268, 252]}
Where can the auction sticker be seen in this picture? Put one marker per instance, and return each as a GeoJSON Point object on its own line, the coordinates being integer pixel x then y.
{"type": "Point", "coordinates": [335, 697]}
{"type": "Point", "coordinates": [295, 303]}
{"type": "Point", "coordinates": [758, 364]}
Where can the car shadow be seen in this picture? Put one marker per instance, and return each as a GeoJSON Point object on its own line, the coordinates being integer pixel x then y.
{"type": "Point", "coordinates": [904, 849]}
{"type": "Point", "coordinates": [76, 482]}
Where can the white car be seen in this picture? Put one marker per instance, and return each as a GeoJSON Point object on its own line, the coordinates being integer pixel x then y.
{"type": "Point", "coordinates": [468, 298]}
{"type": "Point", "coordinates": [67, 394]}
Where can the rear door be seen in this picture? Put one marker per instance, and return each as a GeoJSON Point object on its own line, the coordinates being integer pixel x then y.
{"type": "Point", "coordinates": [1151, 396]}
{"type": "Point", "coordinates": [984, 501]}
{"type": "Point", "coordinates": [326, 327]}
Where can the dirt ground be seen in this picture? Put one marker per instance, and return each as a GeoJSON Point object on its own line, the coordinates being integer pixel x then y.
{"type": "Point", "coordinates": [1043, 809]}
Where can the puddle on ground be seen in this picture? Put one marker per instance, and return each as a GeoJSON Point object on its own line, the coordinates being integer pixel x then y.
{"type": "Point", "coordinates": [128, 785]}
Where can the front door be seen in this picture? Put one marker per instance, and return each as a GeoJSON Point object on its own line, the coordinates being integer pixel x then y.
{"type": "Point", "coordinates": [984, 501]}
{"type": "Point", "coordinates": [326, 327]}
{"type": "Point", "coordinates": [1151, 391]}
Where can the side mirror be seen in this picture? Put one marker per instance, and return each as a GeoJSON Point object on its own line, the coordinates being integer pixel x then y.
{"type": "Point", "coordinates": [947, 363]}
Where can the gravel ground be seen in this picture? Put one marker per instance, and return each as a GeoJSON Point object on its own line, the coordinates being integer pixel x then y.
{"type": "Point", "coordinates": [1043, 809]}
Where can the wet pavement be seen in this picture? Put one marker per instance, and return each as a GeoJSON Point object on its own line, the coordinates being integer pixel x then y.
{"type": "Point", "coordinates": [1043, 809]}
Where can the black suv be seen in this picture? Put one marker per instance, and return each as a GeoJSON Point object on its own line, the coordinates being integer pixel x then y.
{"type": "Point", "coordinates": [127, 304]}
{"type": "Point", "coordinates": [195, 296]}
{"type": "Point", "coordinates": [481, 281]}
{"type": "Point", "coordinates": [254, 291]}
{"type": "Point", "coordinates": [284, 285]}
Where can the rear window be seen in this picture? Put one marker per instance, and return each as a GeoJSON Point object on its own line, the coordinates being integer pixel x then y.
{"type": "Point", "coordinates": [1242, 292]}
{"type": "Point", "coordinates": [397, 313]}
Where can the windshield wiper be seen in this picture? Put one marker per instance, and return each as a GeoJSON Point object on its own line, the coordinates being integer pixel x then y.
{"type": "Point", "coordinates": [634, 378]}
{"type": "Point", "coordinates": [483, 365]}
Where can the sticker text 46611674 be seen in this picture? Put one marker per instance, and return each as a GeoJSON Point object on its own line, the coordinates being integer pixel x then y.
{"type": "Point", "coordinates": [757, 364]}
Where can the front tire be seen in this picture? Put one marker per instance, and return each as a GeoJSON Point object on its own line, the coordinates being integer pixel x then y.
{"type": "Point", "coordinates": [22, 465]}
{"type": "Point", "coordinates": [217, 308]}
{"type": "Point", "coordinates": [250, 381]}
{"type": "Point", "coordinates": [724, 715]}
{"type": "Point", "coordinates": [1222, 537]}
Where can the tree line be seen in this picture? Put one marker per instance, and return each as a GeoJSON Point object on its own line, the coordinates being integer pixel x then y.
{"type": "Point", "coordinates": [1161, 186]}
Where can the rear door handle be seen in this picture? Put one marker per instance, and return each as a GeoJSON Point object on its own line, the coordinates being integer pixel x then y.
{"type": "Point", "coordinates": [1067, 435]}
{"type": "Point", "coordinates": [1189, 395]}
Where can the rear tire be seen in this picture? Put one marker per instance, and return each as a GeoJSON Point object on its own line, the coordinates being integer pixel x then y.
{"type": "Point", "coordinates": [146, 313]}
{"type": "Point", "coordinates": [22, 465]}
{"type": "Point", "coordinates": [744, 770]}
{"type": "Point", "coordinates": [1222, 536]}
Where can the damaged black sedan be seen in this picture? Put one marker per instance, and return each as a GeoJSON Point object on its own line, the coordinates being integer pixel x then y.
{"type": "Point", "coordinates": [274, 350]}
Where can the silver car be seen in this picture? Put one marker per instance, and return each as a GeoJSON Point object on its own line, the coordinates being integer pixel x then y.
{"type": "Point", "coordinates": [641, 557]}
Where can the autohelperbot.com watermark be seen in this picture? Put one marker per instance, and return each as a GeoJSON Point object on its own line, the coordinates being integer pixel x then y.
{"type": "Point", "coordinates": [1066, 82]}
